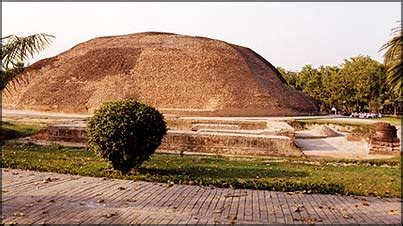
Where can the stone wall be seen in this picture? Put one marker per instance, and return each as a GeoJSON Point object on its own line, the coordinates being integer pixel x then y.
{"type": "Point", "coordinates": [64, 133]}
{"type": "Point", "coordinates": [234, 142]}
{"type": "Point", "coordinates": [178, 123]}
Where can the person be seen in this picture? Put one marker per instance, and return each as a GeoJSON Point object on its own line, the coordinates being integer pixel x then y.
{"type": "Point", "coordinates": [334, 110]}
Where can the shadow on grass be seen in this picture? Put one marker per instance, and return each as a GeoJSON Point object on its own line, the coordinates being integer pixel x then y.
{"type": "Point", "coordinates": [217, 173]}
{"type": "Point", "coordinates": [9, 131]}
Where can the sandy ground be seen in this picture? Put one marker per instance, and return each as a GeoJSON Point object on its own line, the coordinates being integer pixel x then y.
{"type": "Point", "coordinates": [336, 147]}
{"type": "Point", "coordinates": [317, 142]}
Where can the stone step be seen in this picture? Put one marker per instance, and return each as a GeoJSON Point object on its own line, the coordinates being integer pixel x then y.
{"type": "Point", "coordinates": [231, 131]}
{"type": "Point", "coordinates": [201, 126]}
{"type": "Point", "coordinates": [194, 124]}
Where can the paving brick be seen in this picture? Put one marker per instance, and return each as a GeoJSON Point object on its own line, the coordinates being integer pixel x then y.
{"type": "Point", "coordinates": [74, 200]}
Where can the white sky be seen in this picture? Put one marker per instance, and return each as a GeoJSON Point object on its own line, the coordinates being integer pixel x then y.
{"type": "Point", "coordinates": [286, 34]}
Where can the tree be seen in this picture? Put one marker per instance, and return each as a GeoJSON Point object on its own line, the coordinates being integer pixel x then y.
{"type": "Point", "coordinates": [392, 60]}
{"type": "Point", "coordinates": [360, 83]}
{"type": "Point", "coordinates": [356, 85]}
{"type": "Point", "coordinates": [309, 80]}
{"type": "Point", "coordinates": [15, 51]}
{"type": "Point", "coordinates": [289, 76]}
{"type": "Point", "coordinates": [328, 92]}
{"type": "Point", "coordinates": [282, 71]}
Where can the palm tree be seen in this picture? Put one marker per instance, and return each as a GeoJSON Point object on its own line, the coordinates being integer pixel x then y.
{"type": "Point", "coordinates": [16, 50]}
{"type": "Point", "coordinates": [393, 61]}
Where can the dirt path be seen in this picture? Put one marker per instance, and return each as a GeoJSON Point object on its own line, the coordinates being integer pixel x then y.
{"type": "Point", "coordinates": [54, 115]}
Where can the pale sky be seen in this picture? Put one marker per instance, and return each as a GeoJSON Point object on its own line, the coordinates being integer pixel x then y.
{"type": "Point", "coordinates": [286, 34]}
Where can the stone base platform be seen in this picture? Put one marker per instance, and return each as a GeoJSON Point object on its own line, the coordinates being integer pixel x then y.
{"type": "Point", "coordinates": [229, 137]}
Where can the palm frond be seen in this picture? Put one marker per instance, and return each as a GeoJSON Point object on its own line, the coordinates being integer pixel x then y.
{"type": "Point", "coordinates": [392, 59]}
{"type": "Point", "coordinates": [19, 49]}
{"type": "Point", "coordinates": [15, 51]}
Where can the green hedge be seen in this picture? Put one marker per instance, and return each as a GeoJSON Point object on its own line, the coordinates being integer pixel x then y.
{"type": "Point", "coordinates": [125, 132]}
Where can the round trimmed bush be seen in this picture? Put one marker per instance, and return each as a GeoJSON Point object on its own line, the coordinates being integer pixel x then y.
{"type": "Point", "coordinates": [125, 132]}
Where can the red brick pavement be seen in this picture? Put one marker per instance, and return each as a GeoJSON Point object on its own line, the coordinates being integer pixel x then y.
{"type": "Point", "coordinates": [31, 197]}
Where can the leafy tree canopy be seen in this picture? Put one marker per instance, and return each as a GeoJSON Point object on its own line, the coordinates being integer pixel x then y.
{"type": "Point", "coordinates": [359, 84]}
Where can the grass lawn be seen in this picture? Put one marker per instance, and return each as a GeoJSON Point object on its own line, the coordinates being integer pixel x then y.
{"type": "Point", "coordinates": [396, 121]}
{"type": "Point", "coordinates": [375, 177]}
{"type": "Point", "coordinates": [10, 130]}
{"type": "Point", "coordinates": [367, 177]}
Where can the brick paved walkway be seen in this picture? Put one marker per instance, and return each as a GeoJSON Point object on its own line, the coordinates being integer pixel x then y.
{"type": "Point", "coordinates": [34, 197]}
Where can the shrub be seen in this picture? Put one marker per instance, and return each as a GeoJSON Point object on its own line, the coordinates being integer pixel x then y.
{"type": "Point", "coordinates": [125, 132]}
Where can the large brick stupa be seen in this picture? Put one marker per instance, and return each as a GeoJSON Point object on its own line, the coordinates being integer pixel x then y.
{"type": "Point", "coordinates": [177, 74]}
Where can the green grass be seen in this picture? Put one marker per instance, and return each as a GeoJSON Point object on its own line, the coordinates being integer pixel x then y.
{"type": "Point", "coordinates": [372, 177]}
{"type": "Point", "coordinates": [366, 177]}
{"type": "Point", "coordinates": [357, 126]}
{"type": "Point", "coordinates": [396, 121]}
{"type": "Point", "coordinates": [12, 130]}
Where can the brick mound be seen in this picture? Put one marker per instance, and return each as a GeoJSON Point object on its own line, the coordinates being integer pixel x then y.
{"type": "Point", "coordinates": [317, 132]}
{"type": "Point", "coordinates": [383, 132]}
{"type": "Point", "coordinates": [383, 139]}
{"type": "Point", "coordinates": [326, 131]}
{"type": "Point", "coordinates": [177, 74]}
